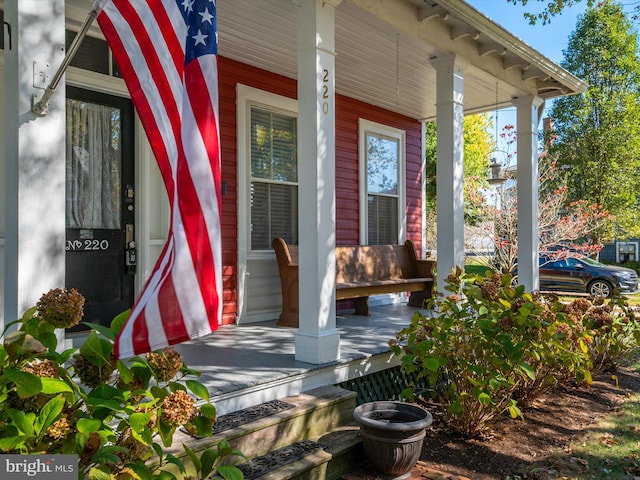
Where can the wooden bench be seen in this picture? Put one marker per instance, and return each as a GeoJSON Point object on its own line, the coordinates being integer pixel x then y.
{"type": "Point", "coordinates": [361, 271]}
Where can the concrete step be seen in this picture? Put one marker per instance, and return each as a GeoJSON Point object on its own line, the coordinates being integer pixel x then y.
{"type": "Point", "coordinates": [319, 415]}
{"type": "Point", "coordinates": [340, 452]}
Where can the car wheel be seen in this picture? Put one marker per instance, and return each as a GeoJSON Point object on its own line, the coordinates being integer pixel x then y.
{"type": "Point", "coordinates": [600, 288]}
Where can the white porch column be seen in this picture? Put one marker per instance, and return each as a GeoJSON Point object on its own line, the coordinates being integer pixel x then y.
{"type": "Point", "coordinates": [527, 128]}
{"type": "Point", "coordinates": [317, 340]}
{"type": "Point", "coordinates": [450, 165]}
{"type": "Point", "coordinates": [34, 152]}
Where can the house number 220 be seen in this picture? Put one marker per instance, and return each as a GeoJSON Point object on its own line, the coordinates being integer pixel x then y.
{"type": "Point", "coordinates": [325, 91]}
{"type": "Point", "coordinates": [81, 245]}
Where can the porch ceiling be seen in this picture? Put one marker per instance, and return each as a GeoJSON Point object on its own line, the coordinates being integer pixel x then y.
{"type": "Point", "coordinates": [384, 46]}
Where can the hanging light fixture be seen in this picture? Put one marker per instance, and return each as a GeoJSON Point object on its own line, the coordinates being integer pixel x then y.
{"type": "Point", "coordinates": [496, 177]}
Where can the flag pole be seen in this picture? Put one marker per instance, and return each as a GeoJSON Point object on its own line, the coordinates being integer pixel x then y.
{"type": "Point", "coordinates": [40, 106]}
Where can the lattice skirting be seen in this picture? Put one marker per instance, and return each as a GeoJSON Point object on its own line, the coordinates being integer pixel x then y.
{"type": "Point", "coordinates": [384, 385]}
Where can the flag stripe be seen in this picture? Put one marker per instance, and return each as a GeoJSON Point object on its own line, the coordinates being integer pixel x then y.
{"type": "Point", "coordinates": [170, 29]}
{"type": "Point", "coordinates": [170, 308]}
{"type": "Point", "coordinates": [143, 105]}
{"type": "Point", "coordinates": [160, 84]}
{"type": "Point", "coordinates": [204, 117]}
{"type": "Point", "coordinates": [140, 336]}
{"type": "Point", "coordinates": [166, 51]}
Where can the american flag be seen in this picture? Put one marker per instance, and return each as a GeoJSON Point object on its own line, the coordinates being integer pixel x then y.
{"type": "Point", "coordinates": [167, 53]}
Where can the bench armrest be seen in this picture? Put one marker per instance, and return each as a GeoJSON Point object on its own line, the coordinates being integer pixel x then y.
{"type": "Point", "coordinates": [284, 253]}
{"type": "Point", "coordinates": [424, 268]}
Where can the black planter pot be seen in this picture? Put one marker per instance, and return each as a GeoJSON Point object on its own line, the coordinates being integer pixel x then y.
{"type": "Point", "coordinates": [392, 435]}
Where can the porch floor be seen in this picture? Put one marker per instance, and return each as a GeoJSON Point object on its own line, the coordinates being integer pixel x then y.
{"type": "Point", "coordinates": [245, 365]}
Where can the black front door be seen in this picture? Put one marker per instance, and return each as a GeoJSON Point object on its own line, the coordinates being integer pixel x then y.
{"type": "Point", "coordinates": [100, 243]}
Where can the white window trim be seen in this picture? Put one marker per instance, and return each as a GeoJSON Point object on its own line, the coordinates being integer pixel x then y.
{"type": "Point", "coordinates": [364, 127]}
{"type": "Point", "coordinates": [617, 247]}
{"type": "Point", "coordinates": [247, 97]}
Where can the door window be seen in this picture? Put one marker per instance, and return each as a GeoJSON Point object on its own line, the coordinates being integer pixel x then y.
{"type": "Point", "coordinates": [94, 159]}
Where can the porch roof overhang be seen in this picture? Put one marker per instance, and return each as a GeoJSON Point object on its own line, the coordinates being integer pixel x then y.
{"type": "Point", "coordinates": [384, 49]}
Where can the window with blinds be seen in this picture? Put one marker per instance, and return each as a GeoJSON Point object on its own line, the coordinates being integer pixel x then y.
{"type": "Point", "coordinates": [382, 164]}
{"type": "Point", "coordinates": [274, 178]}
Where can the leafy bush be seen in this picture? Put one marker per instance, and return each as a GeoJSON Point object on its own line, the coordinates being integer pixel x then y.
{"type": "Point", "coordinates": [635, 265]}
{"type": "Point", "coordinates": [613, 333]}
{"type": "Point", "coordinates": [109, 412]}
{"type": "Point", "coordinates": [488, 346]}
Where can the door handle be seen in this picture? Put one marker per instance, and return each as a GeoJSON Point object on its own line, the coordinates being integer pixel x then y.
{"type": "Point", "coordinates": [131, 253]}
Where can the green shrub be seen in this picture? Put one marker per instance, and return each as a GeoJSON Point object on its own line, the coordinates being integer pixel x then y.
{"type": "Point", "coordinates": [488, 346]}
{"type": "Point", "coordinates": [613, 333]}
{"type": "Point", "coordinates": [116, 416]}
{"type": "Point", "coordinates": [635, 265]}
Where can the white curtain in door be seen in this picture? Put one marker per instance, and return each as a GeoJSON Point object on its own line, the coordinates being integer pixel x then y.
{"type": "Point", "coordinates": [93, 162]}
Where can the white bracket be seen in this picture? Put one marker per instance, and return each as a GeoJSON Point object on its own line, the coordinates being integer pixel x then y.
{"type": "Point", "coordinates": [40, 104]}
{"type": "Point", "coordinates": [41, 74]}
{"type": "Point", "coordinates": [41, 78]}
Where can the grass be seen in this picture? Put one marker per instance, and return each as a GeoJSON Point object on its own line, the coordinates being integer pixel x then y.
{"type": "Point", "coordinates": [634, 298]}
{"type": "Point", "coordinates": [476, 268]}
{"type": "Point", "coordinates": [610, 449]}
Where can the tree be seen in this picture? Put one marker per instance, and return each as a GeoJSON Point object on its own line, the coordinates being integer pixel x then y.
{"type": "Point", "coordinates": [564, 226]}
{"type": "Point", "coordinates": [551, 9]}
{"type": "Point", "coordinates": [597, 133]}
{"type": "Point", "coordinates": [477, 145]}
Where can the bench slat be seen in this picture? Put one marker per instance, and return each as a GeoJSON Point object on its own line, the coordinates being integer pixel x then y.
{"type": "Point", "coordinates": [382, 283]}
{"type": "Point", "coordinates": [366, 291]}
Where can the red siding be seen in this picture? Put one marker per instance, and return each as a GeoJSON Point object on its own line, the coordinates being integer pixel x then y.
{"type": "Point", "coordinates": [348, 111]}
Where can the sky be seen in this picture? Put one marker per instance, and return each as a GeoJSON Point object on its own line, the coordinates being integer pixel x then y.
{"type": "Point", "coordinates": [550, 40]}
